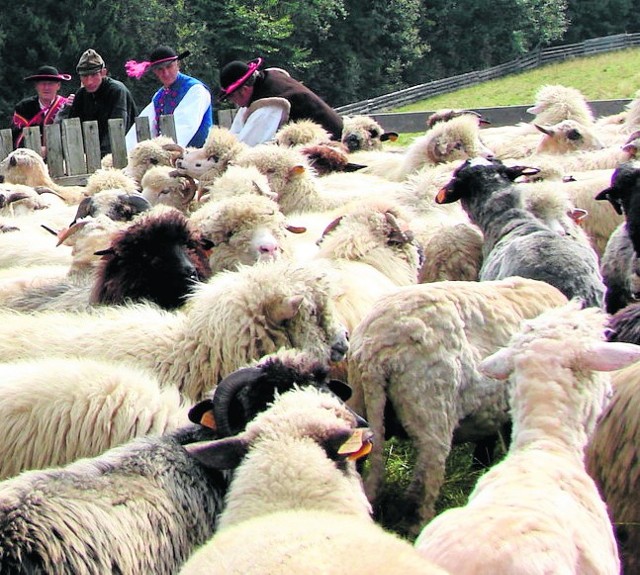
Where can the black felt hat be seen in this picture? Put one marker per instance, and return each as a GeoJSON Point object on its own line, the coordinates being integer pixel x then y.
{"type": "Point", "coordinates": [48, 73]}
{"type": "Point", "coordinates": [235, 74]}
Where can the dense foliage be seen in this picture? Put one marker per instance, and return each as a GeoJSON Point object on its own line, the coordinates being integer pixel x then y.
{"type": "Point", "coordinates": [346, 50]}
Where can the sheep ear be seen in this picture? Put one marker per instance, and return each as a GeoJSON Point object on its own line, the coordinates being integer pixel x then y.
{"type": "Point", "coordinates": [287, 309]}
{"type": "Point", "coordinates": [105, 252]}
{"type": "Point", "coordinates": [610, 356]}
{"type": "Point", "coordinates": [295, 229]}
{"type": "Point", "coordinates": [224, 453]}
{"type": "Point", "coordinates": [202, 414]}
{"type": "Point", "coordinates": [297, 170]}
{"type": "Point", "coordinates": [351, 167]}
{"type": "Point", "coordinates": [514, 172]}
{"type": "Point", "coordinates": [498, 365]}
{"type": "Point", "coordinates": [391, 136]}
{"type": "Point", "coordinates": [340, 388]}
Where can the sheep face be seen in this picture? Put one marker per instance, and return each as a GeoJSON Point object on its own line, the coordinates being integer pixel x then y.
{"type": "Point", "coordinates": [197, 162]}
{"type": "Point", "coordinates": [625, 182]}
{"type": "Point", "coordinates": [26, 167]}
{"type": "Point", "coordinates": [566, 137]}
{"type": "Point", "coordinates": [243, 231]}
{"type": "Point", "coordinates": [114, 204]}
{"type": "Point", "coordinates": [156, 259]}
{"type": "Point", "coordinates": [159, 151]}
{"type": "Point", "coordinates": [165, 186]}
{"type": "Point", "coordinates": [364, 133]}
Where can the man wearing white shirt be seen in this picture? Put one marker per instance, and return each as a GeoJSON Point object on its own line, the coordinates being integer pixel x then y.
{"type": "Point", "coordinates": [185, 97]}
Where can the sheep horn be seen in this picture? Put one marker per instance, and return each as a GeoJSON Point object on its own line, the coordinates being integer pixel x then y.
{"type": "Point", "coordinates": [63, 235]}
{"type": "Point", "coordinates": [229, 412]}
{"type": "Point", "coordinates": [189, 187]}
{"type": "Point", "coordinates": [44, 190]}
{"type": "Point", "coordinates": [50, 230]}
{"type": "Point", "coordinates": [332, 226]}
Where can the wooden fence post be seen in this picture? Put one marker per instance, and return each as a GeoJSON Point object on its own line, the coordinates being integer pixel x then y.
{"type": "Point", "coordinates": [55, 159]}
{"type": "Point", "coordinates": [6, 143]}
{"type": "Point", "coordinates": [168, 127]}
{"type": "Point", "coordinates": [143, 128]}
{"type": "Point", "coordinates": [91, 138]}
{"type": "Point", "coordinates": [32, 139]}
{"type": "Point", "coordinates": [118, 144]}
{"type": "Point", "coordinates": [73, 146]}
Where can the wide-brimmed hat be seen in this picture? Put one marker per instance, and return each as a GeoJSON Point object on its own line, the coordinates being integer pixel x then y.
{"type": "Point", "coordinates": [235, 74]}
{"type": "Point", "coordinates": [48, 74]}
{"type": "Point", "coordinates": [158, 57]}
{"type": "Point", "coordinates": [90, 62]}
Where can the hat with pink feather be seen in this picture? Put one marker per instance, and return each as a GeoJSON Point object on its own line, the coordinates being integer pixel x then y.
{"type": "Point", "coordinates": [158, 57]}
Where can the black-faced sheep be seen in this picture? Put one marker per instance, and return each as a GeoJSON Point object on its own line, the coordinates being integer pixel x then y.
{"type": "Point", "coordinates": [612, 457]}
{"type": "Point", "coordinates": [311, 522]}
{"type": "Point", "coordinates": [115, 204]}
{"type": "Point", "coordinates": [417, 352]}
{"type": "Point", "coordinates": [234, 318]}
{"type": "Point", "coordinates": [158, 258]}
{"type": "Point", "coordinates": [620, 264]}
{"type": "Point", "coordinates": [516, 243]}
{"type": "Point", "coordinates": [538, 511]}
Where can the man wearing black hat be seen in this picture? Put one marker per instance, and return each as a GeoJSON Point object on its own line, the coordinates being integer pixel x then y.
{"type": "Point", "coordinates": [184, 97]}
{"type": "Point", "coordinates": [100, 98]}
{"type": "Point", "coordinates": [41, 109]}
{"type": "Point", "coordinates": [257, 93]}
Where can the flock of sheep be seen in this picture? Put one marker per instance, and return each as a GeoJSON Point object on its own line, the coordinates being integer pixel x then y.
{"type": "Point", "coordinates": [198, 352]}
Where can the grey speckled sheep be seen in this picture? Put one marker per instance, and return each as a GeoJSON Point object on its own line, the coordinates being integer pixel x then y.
{"type": "Point", "coordinates": [417, 353]}
{"type": "Point", "coordinates": [516, 243]}
{"type": "Point", "coordinates": [140, 508]}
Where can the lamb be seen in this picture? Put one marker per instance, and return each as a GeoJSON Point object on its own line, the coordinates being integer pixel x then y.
{"type": "Point", "coordinates": [620, 267]}
{"type": "Point", "coordinates": [244, 230]}
{"type": "Point", "coordinates": [312, 522]}
{"type": "Point", "coordinates": [163, 185]}
{"type": "Point", "coordinates": [26, 167]}
{"type": "Point", "coordinates": [516, 243]}
{"type": "Point", "coordinates": [538, 511]}
{"type": "Point", "coordinates": [158, 151]}
{"type": "Point", "coordinates": [94, 405]}
{"type": "Point", "coordinates": [115, 204]}
{"type": "Point", "coordinates": [566, 137]}
{"type": "Point", "coordinates": [364, 133]}
{"type": "Point", "coordinates": [611, 459]}
{"type": "Point", "coordinates": [228, 321]}
{"type": "Point", "coordinates": [417, 352]}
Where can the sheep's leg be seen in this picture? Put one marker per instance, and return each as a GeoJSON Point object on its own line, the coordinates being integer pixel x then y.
{"type": "Point", "coordinates": [375, 404]}
{"type": "Point", "coordinates": [430, 426]}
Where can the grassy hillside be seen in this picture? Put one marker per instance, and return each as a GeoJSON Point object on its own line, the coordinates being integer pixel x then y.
{"type": "Point", "coordinates": [602, 77]}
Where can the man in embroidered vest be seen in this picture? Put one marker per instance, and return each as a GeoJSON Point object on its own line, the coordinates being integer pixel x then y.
{"type": "Point", "coordinates": [187, 98]}
{"type": "Point", "coordinates": [268, 99]}
{"type": "Point", "coordinates": [41, 109]}
{"type": "Point", "coordinates": [100, 98]}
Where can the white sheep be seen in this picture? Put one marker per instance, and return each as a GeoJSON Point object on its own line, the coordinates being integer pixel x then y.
{"type": "Point", "coordinates": [301, 133]}
{"type": "Point", "coordinates": [158, 151]}
{"type": "Point", "coordinates": [611, 459]}
{"type": "Point", "coordinates": [92, 405]}
{"type": "Point", "coordinates": [417, 351]}
{"type": "Point", "coordinates": [244, 229]}
{"type": "Point", "coordinates": [363, 133]}
{"type": "Point", "coordinates": [26, 167]}
{"type": "Point", "coordinates": [452, 141]}
{"type": "Point", "coordinates": [516, 243]}
{"type": "Point", "coordinates": [236, 181]}
{"type": "Point", "coordinates": [314, 520]}
{"type": "Point", "coordinates": [555, 103]}
{"type": "Point", "coordinates": [209, 162]}
{"type": "Point", "coordinates": [165, 185]}
{"type": "Point", "coordinates": [110, 179]}
{"type": "Point", "coordinates": [232, 319]}
{"type": "Point", "coordinates": [538, 511]}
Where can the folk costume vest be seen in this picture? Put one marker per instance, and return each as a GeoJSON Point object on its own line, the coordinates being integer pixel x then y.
{"type": "Point", "coordinates": [41, 116]}
{"type": "Point", "coordinates": [166, 100]}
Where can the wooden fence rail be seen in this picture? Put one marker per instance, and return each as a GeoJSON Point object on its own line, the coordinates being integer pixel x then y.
{"type": "Point", "coordinates": [534, 59]}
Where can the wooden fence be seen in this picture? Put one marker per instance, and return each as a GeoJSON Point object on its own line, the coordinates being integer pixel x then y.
{"type": "Point", "coordinates": [73, 147]}
{"type": "Point", "coordinates": [531, 60]}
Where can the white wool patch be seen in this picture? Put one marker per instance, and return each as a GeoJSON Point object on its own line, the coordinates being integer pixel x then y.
{"type": "Point", "coordinates": [480, 161]}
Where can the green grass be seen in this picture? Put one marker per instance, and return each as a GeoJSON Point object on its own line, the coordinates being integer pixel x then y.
{"type": "Point", "coordinates": [607, 76]}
